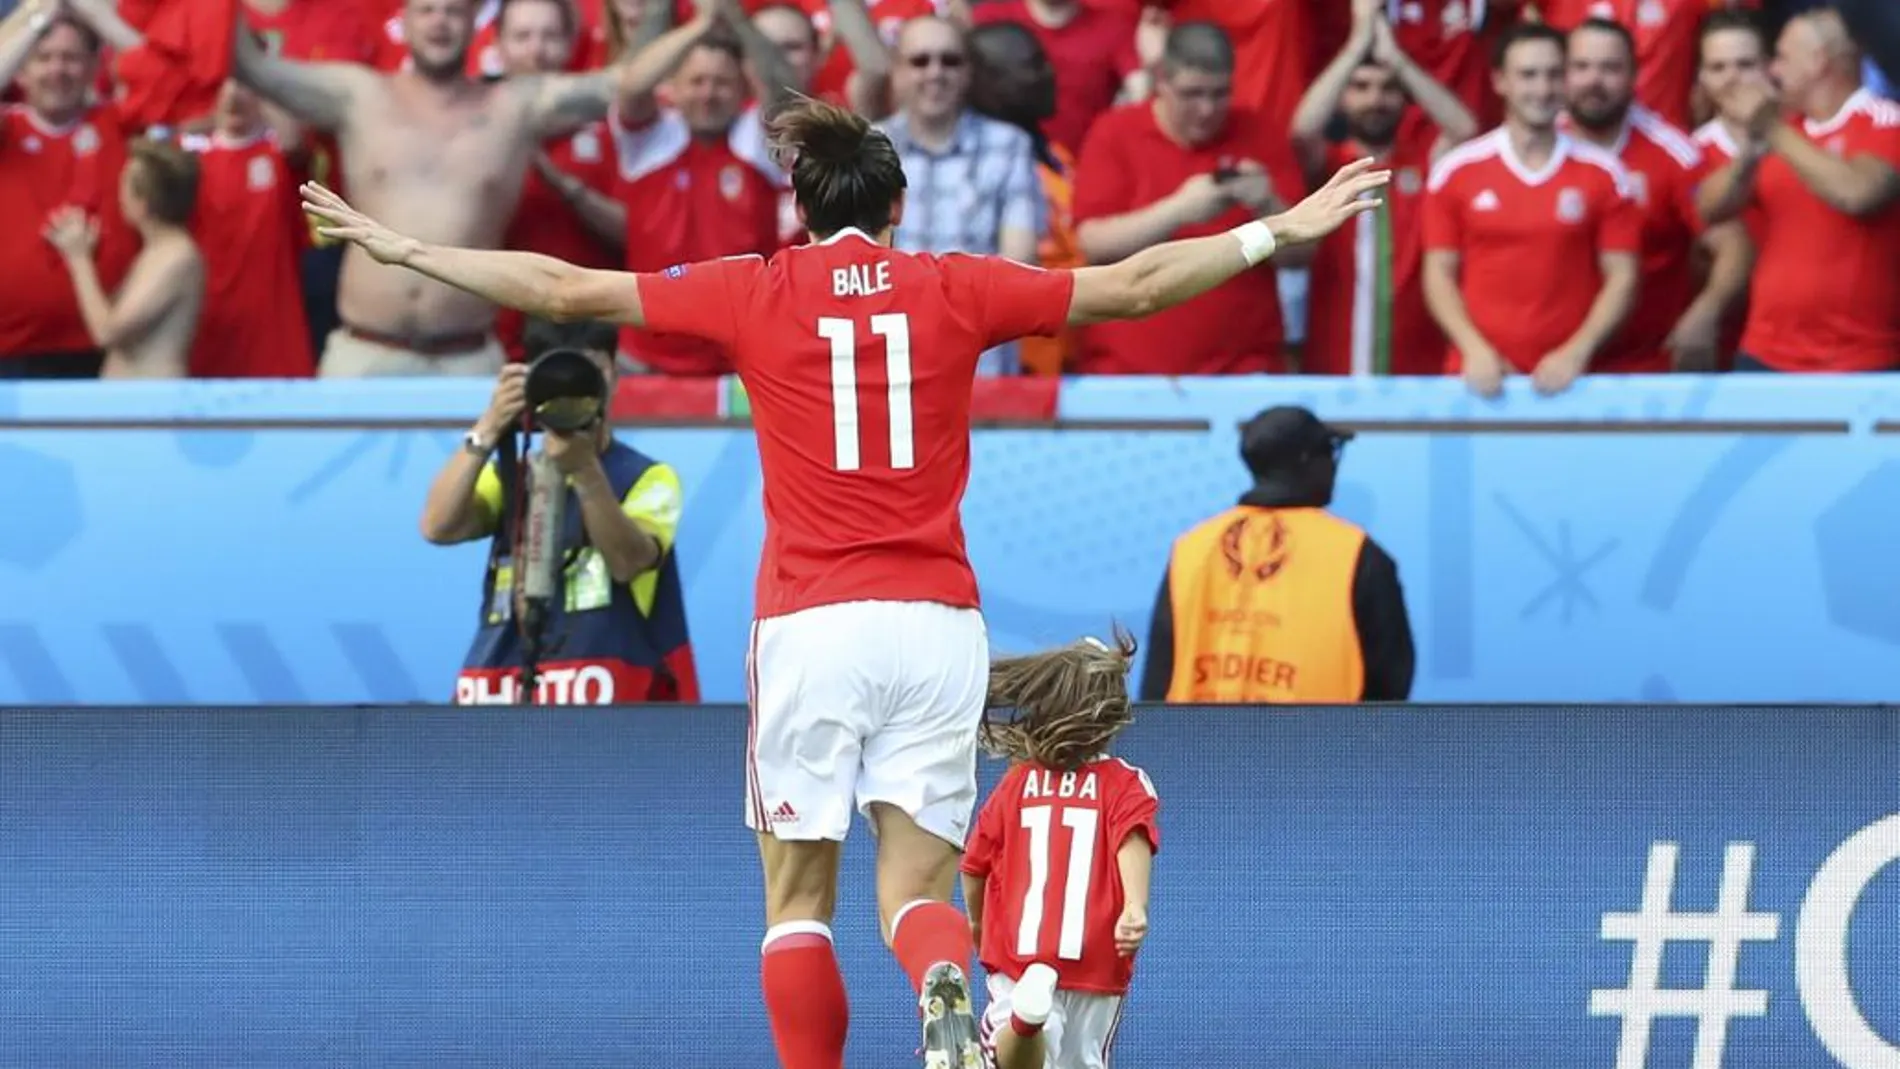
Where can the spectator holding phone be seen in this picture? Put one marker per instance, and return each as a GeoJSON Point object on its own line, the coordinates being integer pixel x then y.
{"type": "Point", "coordinates": [1186, 165]}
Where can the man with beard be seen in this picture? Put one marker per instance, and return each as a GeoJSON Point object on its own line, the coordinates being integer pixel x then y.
{"type": "Point", "coordinates": [1671, 319]}
{"type": "Point", "coordinates": [1367, 314]}
{"type": "Point", "coordinates": [1531, 236]}
{"type": "Point", "coordinates": [442, 152]}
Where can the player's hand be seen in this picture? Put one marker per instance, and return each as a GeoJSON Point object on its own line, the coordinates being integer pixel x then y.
{"type": "Point", "coordinates": [338, 221]}
{"type": "Point", "coordinates": [1253, 187]}
{"type": "Point", "coordinates": [1558, 370]}
{"type": "Point", "coordinates": [1130, 929]}
{"type": "Point", "coordinates": [1350, 192]}
{"type": "Point", "coordinates": [1483, 370]}
{"type": "Point", "coordinates": [74, 233]}
{"type": "Point", "coordinates": [506, 403]}
{"type": "Point", "coordinates": [1693, 341]}
{"type": "Point", "coordinates": [1202, 198]}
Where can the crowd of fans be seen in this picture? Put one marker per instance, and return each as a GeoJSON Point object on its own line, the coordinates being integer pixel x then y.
{"type": "Point", "coordinates": [1579, 185]}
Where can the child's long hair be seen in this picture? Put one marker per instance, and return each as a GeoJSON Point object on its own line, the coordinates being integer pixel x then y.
{"type": "Point", "coordinates": [1068, 703]}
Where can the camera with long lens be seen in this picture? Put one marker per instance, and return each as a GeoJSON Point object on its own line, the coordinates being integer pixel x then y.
{"type": "Point", "coordinates": [566, 391]}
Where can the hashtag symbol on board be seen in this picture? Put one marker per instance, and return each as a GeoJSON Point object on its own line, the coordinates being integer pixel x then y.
{"type": "Point", "coordinates": [1657, 924]}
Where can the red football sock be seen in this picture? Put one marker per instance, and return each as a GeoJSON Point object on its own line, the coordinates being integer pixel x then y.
{"type": "Point", "coordinates": [927, 933]}
{"type": "Point", "coordinates": [1022, 1027]}
{"type": "Point", "coordinates": [804, 996]}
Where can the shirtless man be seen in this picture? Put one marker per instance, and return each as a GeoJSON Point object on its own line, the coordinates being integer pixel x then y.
{"type": "Point", "coordinates": [146, 330]}
{"type": "Point", "coordinates": [442, 152]}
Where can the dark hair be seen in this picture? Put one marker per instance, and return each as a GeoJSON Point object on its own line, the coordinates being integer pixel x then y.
{"type": "Point", "coordinates": [720, 40]}
{"type": "Point", "coordinates": [166, 179]}
{"type": "Point", "coordinates": [999, 36]}
{"type": "Point", "coordinates": [1727, 19]}
{"type": "Point", "coordinates": [1599, 24]}
{"type": "Point", "coordinates": [87, 35]}
{"type": "Point", "coordinates": [1198, 46]}
{"type": "Point", "coordinates": [1521, 32]}
{"type": "Point", "coordinates": [845, 172]}
{"type": "Point", "coordinates": [568, 19]}
{"type": "Point", "coordinates": [1068, 703]}
{"type": "Point", "coordinates": [586, 335]}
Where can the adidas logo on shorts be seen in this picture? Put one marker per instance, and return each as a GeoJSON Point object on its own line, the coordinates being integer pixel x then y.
{"type": "Point", "coordinates": [783, 813]}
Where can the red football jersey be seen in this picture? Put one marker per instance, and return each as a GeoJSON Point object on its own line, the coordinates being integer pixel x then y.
{"type": "Point", "coordinates": [1045, 845]}
{"type": "Point", "coordinates": [1528, 241]}
{"type": "Point", "coordinates": [1366, 311]}
{"type": "Point", "coordinates": [1825, 296]}
{"type": "Point", "coordinates": [1664, 168]}
{"type": "Point", "coordinates": [43, 168]}
{"type": "Point", "coordinates": [691, 199]}
{"type": "Point", "coordinates": [250, 229]}
{"type": "Point", "coordinates": [858, 361]}
{"type": "Point", "coordinates": [1452, 40]}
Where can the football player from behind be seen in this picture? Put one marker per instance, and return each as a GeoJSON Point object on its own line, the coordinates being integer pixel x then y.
{"type": "Point", "coordinates": [1056, 873]}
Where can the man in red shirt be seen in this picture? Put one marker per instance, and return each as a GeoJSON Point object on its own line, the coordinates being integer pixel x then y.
{"type": "Point", "coordinates": [1187, 164]}
{"type": "Point", "coordinates": [251, 234]}
{"type": "Point", "coordinates": [697, 177]}
{"type": "Point", "coordinates": [1366, 313]}
{"type": "Point", "coordinates": [567, 208]}
{"type": "Point", "coordinates": [1665, 33]}
{"type": "Point", "coordinates": [56, 149]}
{"type": "Point", "coordinates": [1092, 51]}
{"type": "Point", "coordinates": [1673, 324]}
{"type": "Point", "coordinates": [1058, 868]}
{"type": "Point", "coordinates": [1531, 237]}
{"type": "Point", "coordinates": [1826, 296]}
{"type": "Point", "coordinates": [1273, 56]}
{"type": "Point", "coordinates": [869, 664]}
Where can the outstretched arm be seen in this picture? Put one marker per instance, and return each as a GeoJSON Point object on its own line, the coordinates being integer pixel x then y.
{"type": "Point", "coordinates": [315, 93]}
{"type": "Point", "coordinates": [528, 282]}
{"type": "Point", "coordinates": [1161, 277]}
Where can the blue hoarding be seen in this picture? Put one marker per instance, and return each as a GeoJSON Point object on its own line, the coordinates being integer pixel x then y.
{"type": "Point", "coordinates": [1427, 888]}
{"type": "Point", "coordinates": [1740, 548]}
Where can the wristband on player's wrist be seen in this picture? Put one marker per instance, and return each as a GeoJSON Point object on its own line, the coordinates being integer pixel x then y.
{"type": "Point", "coordinates": [1256, 241]}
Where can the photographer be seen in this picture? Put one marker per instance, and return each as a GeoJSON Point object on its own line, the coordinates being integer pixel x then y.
{"type": "Point", "coordinates": [615, 632]}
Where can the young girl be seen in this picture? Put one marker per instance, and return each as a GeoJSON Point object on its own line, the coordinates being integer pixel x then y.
{"type": "Point", "coordinates": [1056, 874]}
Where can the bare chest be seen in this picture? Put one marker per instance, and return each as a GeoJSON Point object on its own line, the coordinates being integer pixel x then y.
{"type": "Point", "coordinates": [471, 149]}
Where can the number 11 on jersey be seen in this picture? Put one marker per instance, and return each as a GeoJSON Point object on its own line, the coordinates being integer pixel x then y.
{"type": "Point", "coordinates": [843, 336]}
{"type": "Point", "coordinates": [1079, 870]}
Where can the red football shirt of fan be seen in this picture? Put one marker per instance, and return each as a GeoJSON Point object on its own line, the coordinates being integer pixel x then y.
{"type": "Point", "coordinates": [1129, 163]}
{"type": "Point", "coordinates": [691, 199]}
{"type": "Point", "coordinates": [858, 360]}
{"type": "Point", "coordinates": [1045, 845]}
{"type": "Point", "coordinates": [1528, 241]}
{"type": "Point", "coordinates": [1825, 295]}
{"type": "Point", "coordinates": [1366, 311]}
{"type": "Point", "coordinates": [250, 230]}
{"type": "Point", "coordinates": [1664, 169]}
{"type": "Point", "coordinates": [546, 223]}
{"type": "Point", "coordinates": [42, 168]}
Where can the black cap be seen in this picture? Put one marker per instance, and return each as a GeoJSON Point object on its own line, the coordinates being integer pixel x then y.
{"type": "Point", "coordinates": [1286, 436]}
{"type": "Point", "coordinates": [566, 390]}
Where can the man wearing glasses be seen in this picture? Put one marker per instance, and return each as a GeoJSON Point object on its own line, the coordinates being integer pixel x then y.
{"type": "Point", "coordinates": [972, 184]}
{"type": "Point", "coordinates": [1276, 600]}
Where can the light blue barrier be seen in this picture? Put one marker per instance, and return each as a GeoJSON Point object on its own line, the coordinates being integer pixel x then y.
{"type": "Point", "coordinates": [1430, 888]}
{"type": "Point", "coordinates": [1752, 561]}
